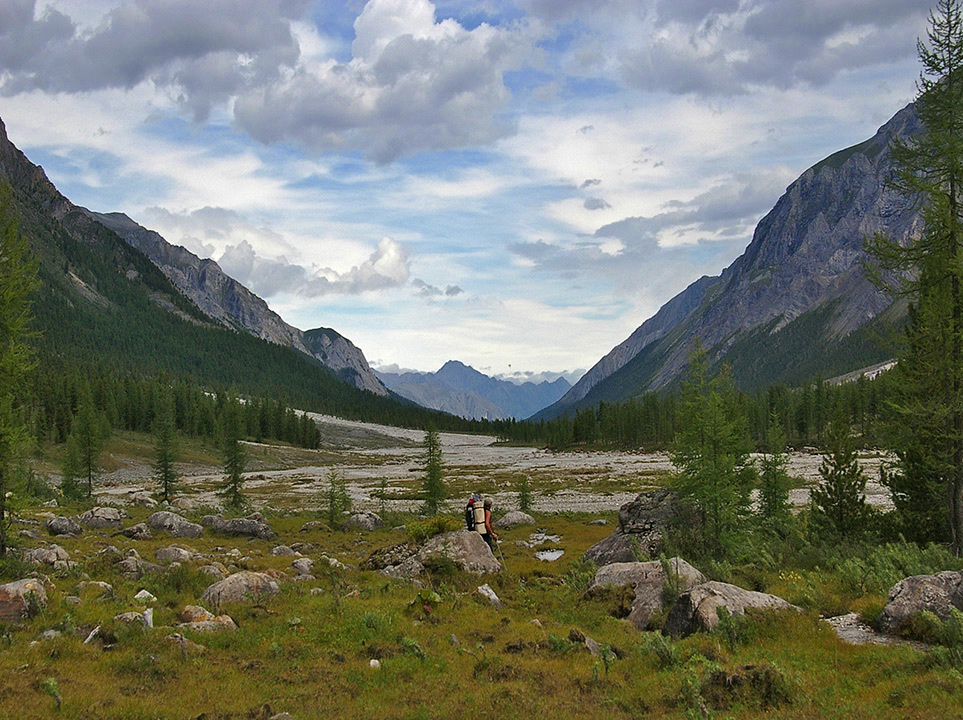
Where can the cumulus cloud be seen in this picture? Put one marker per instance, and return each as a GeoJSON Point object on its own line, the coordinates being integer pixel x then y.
{"type": "Point", "coordinates": [207, 51]}
{"type": "Point", "coordinates": [387, 267]}
{"type": "Point", "coordinates": [726, 48]}
{"type": "Point", "coordinates": [414, 83]}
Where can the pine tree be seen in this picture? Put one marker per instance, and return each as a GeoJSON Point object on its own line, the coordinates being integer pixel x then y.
{"type": "Point", "coordinates": [839, 501]}
{"type": "Point", "coordinates": [232, 452]}
{"type": "Point", "coordinates": [926, 422]}
{"type": "Point", "coordinates": [18, 278]}
{"type": "Point", "coordinates": [337, 501]}
{"type": "Point", "coordinates": [711, 454]}
{"type": "Point", "coordinates": [433, 483]}
{"type": "Point", "coordinates": [165, 448]}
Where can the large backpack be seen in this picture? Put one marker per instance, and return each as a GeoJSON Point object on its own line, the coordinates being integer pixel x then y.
{"type": "Point", "coordinates": [470, 514]}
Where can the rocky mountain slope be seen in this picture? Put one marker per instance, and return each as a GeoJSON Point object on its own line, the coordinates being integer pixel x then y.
{"type": "Point", "coordinates": [796, 304]}
{"type": "Point", "coordinates": [461, 390]}
{"type": "Point", "coordinates": [232, 305]}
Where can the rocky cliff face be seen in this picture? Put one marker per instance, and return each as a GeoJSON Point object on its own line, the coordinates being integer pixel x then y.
{"type": "Point", "coordinates": [806, 257]}
{"type": "Point", "coordinates": [232, 305]}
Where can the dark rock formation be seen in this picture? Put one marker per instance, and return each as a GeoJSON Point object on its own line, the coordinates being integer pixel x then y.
{"type": "Point", "coordinates": [937, 594]}
{"type": "Point", "coordinates": [642, 523]}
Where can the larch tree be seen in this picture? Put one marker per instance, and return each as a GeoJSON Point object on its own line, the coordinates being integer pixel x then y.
{"type": "Point", "coordinates": [433, 482]}
{"type": "Point", "coordinates": [232, 452]}
{"type": "Point", "coordinates": [18, 278]}
{"type": "Point", "coordinates": [926, 418]}
{"type": "Point", "coordinates": [165, 447]}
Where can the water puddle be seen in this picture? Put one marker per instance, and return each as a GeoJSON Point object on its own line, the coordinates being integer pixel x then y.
{"type": "Point", "coordinates": [540, 538]}
{"type": "Point", "coordinates": [549, 555]}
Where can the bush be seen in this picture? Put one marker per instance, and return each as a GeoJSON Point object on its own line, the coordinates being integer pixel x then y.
{"type": "Point", "coordinates": [420, 530]}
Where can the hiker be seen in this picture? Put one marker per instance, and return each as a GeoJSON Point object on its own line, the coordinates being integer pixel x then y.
{"type": "Point", "coordinates": [483, 523]}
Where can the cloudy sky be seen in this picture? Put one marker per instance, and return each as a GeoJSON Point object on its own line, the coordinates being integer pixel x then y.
{"type": "Point", "coordinates": [516, 184]}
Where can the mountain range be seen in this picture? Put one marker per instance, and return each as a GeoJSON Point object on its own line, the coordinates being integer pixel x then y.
{"type": "Point", "coordinates": [461, 390]}
{"type": "Point", "coordinates": [796, 305]}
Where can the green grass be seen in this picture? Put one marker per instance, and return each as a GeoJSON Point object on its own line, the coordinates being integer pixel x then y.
{"type": "Point", "coordinates": [307, 654]}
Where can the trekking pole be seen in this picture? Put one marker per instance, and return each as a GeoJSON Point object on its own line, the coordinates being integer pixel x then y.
{"type": "Point", "coordinates": [502, 556]}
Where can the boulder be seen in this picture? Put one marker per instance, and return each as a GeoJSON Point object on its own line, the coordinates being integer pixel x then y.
{"type": "Point", "coordinates": [220, 623]}
{"type": "Point", "coordinates": [313, 526]}
{"type": "Point", "coordinates": [366, 521]}
{"type": "Point", "coordinates": [135, 568]}
{"type": "Point", "coordinates": [389, 556]}
{"type": "Point", "coordinates": [130, 618]}
{"type": "Point", "coordinates": [174, 553]}
{"type": "Point", "coordinates": [303, 566]}
{"type": "Point", "coordinates": [142, 497]}
{"type": "Point", "coordinates": [140, 531]}
{"type": "Point", "coordinates": [515, 518]}
{"type": "Point", "coordinates": [911, 596]}
{"type": "Point", "coordinates": [283, 551]}
{"type": "Point", "coordinates": [183, 503]}
{"type": "Point", "coordinates": [173, 523]}
{"type": "Point", "coordinates": [649, 581]}
{"type": "Point", "coordinates": [251, 526]}
{"type": "Point", "coordinates": [642, 523]}
{"type": "Point", "coordinates": [239, 587]}
{"type": "Point", "coordinates": [145, 597]}
{"type": "Point", "coordinates": [698, 609]}
{"type": "Point", "coordinates": [50, 555]}
{"type": "Point", "coordinates": [409, 568]}
{"type": "Point", "coordinates": [104, 588]}
{"type": "Point", "coordinates": [465, 548]}
{"type": "Point", "coordinates": [102, 517]}
{"type": "Point", "coordinates": [195, 613]}
{"type": "Point", "coordinates": [20, 598]}
{"type": "Point", "coordinates": [215, 570]}
{"type": "Point", "coordinates": [63, 526]}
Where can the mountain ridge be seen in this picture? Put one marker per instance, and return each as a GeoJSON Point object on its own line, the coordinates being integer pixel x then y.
{"type": "Point", "coordinates": [801, 274]}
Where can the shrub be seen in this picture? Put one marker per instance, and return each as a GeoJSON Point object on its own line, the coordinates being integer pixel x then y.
{"type": "Point", "coordinates": [420, 530]}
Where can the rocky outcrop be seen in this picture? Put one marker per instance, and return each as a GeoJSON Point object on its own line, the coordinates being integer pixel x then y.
{"type": "Point", "coordinates": [49, 555]}
{"type": "Point", "coordinates": [173, 523]}
{"type": "Point", "coordinates": [515, 518]}
{"type": "Point", "coordinates": [698, 609]}
{"type": "Point", "coordinates": [140, 531]}
{"type": "Point", "coordinates": [21, 598]}
{"type": "Point", "coordinates": [232, 305]}
{"type": "Point", "coordinates": [242, 586]}
{"type": "Point", "coordinates": [642, 523]}
{"type": "Point", "coordinates": [909, 597]}
{"type": "Point", "coordinates": [174, 553]}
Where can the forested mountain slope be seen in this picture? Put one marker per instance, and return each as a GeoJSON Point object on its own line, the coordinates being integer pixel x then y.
{"type": "Point", "coordinates": [796, 304]}
{"type": "Point", "coordinates": [104, 303]}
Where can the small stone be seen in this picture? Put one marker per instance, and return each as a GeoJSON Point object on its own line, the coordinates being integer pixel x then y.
{"type": "Point", "coordinates": [317, 591]}
{"type": "Point", "coordinates": [145, 597]}
{"type": "Point", "coordinates": [105, 588]}
{"type": "Point", "coordinates": [72, 600]}
{"type": "Point", "coordinates": [597, 523]}
{"type": "Point", "coordinates": [186, 646]}
{"type": "Point", "coordinates": [453, 640]}
{"type": "Point", "coordinates": [140, 531]}
{"type": "Point", "coordinates": [486, 592]}
{"type": "Point", "coordinates": [174, 553]}
{"type": "Point", "coordinates": [283, 551]}
{"type": "Point", "coordinates": [537, 623]}
{"type": "Point", "coordinates": [50, 634]}
{"type": "Point", "coordinates": [303, 566]}
{"type": "Point", "coordinates": [374, 663]}
{"type": "Point", "coordinates": [63, 526]}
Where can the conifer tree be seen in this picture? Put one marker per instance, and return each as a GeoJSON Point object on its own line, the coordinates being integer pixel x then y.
{"type": "Point", "coordinates": [232, 452]}
{"type": "Point", "coordinates": [433, 483]}
{"type": "Point", "coordinates": [774, 481]}
{"type": "Point", "coordinates": [18, 278]}
{"type": "Point", "coordinates": [926, 423]}
{"type": "Point", "coordinates": [711, 454]}
{"type": "Point", "coordinates": [86, 441]}
{"type": "Point", "coordinates": [165, 448]}
{"type": "Point", "coordinates": [839, 501]}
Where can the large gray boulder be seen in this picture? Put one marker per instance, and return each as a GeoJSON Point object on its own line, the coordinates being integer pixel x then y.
{"type": "Point", "coordinates": [102, 517]}
{"type": "Point", "coordinates": [63, 526]}
{"type": "Point", "coordinates": [49, 555]}
{"type": "Point", "coordinates": [937, 594]}
{"type": "Point", "coordinates": [140, 531]}
{"type": "Point", "coordinates": [240, 587]}
{"type": "Point", "coordinates": [174, 553]}
{"type": "Point", "coordinates": [642, 524]}
{"type": "Point", "coordinates": [698, 609]}
{"type": "Point", "coordinates": [465, 548]}
{"type": "Point", "coordinates": [515, 518]}
{"type": "Point", "coordinates": [251, 526]}
{"type": "Point", "coordinates": [173, 523]}
{"type": "Point", "coordinates": [650, 581]}
{"type": "Point", "coordinates": [19, 598]}
{"type": "Point", "coordinates": [366, 521]}
{"type": "Point", "coordinates": [134, 568]}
